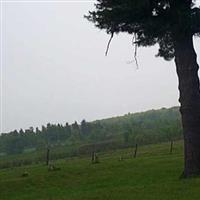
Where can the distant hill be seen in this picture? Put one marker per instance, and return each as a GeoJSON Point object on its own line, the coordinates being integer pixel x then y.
{"type": "Point", "coordinates": [148, 127]}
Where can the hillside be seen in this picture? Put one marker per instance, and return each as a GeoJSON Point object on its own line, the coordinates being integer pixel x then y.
{"type": "Point", "coordinates": [154, 174]}
{"type": "Point", "coordinates": [149, 127]}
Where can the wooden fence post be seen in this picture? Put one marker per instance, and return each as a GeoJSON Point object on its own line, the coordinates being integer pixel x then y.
{"type": "Point", "coordinates": [136, 148]}
{"type": "Point", "coordinates": [171, 146]}
{"type": "Point", "coordinates": [47, 156]}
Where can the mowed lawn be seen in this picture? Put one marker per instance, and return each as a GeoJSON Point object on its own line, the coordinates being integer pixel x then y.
{"type": "Point", "coordinates": [153, 175]}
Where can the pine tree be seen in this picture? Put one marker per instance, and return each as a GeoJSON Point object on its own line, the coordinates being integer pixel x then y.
{"type": "Point", "coordinates": [171, 24]}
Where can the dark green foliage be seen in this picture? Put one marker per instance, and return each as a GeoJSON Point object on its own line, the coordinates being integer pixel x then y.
{"type": "Point", "coordinates": [150, 21]}
{"type": "Point", "coordinates": [126, 136]}
{"type": "Point", "coordinates": [76, 132]}
{"type": "Point", "coordinates": [84, 128]}
{"type": "Point", "coordinates": [142, 128]}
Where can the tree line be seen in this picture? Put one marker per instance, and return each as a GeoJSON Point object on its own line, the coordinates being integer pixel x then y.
{"type": "Point", "coordinates": [149, 127]}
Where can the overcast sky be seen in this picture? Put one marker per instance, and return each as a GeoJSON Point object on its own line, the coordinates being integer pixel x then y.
{"type": "Point", "coordinates": [54, 68]}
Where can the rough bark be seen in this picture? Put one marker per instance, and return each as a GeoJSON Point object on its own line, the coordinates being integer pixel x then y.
{"type": "Point", "coordinates": [187, 71]}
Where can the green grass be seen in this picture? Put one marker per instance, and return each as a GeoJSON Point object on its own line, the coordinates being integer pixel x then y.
{"type": "Point", "coordinates": [153, 175]}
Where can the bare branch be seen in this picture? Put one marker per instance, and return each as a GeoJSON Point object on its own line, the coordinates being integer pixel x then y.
{"type": "Point", "coordinates": [135, 53]}
{"type": "Point", "coordinates": [134, 43]}
{"type": "Point", "coordinates": [108, 45]}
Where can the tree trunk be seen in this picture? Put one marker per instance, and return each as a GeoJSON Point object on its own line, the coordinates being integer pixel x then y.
{"type": "Point", "coordinates": [187, 70]}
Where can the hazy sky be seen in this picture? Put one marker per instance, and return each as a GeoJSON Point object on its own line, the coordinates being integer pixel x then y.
{"type": "Point", "coordinates": [54, 68]}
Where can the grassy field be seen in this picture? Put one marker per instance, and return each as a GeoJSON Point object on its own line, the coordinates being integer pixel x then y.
{"type": "Point", "coordinates": [153, 175]}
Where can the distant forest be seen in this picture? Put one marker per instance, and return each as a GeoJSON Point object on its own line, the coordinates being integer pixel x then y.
{"type": "Point", "coordinates": [149, 127]}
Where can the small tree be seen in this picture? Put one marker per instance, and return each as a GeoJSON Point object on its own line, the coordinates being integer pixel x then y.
{"type": "Point", "coordinates": [76, 130]}
{"type": "Point", "coordinates": [84, 128]}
